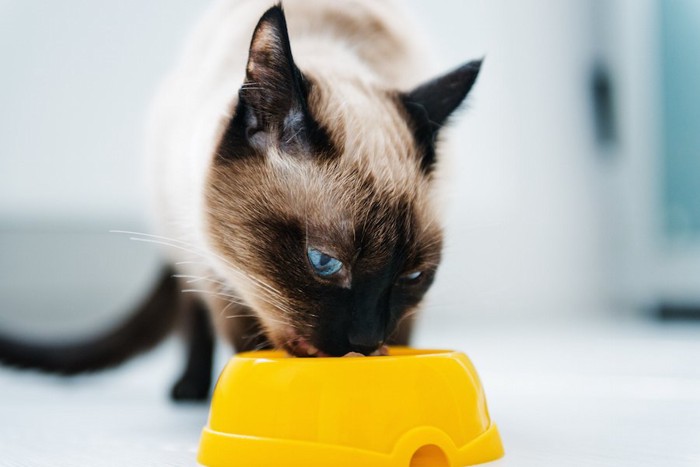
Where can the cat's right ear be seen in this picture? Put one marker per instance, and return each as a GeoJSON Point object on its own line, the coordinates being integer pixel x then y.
{"type": "Point", "coordinates": [272, 108]}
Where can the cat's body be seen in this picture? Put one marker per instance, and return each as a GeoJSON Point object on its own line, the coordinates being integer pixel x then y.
{"type": "Point", "coordinates": [300, 205]}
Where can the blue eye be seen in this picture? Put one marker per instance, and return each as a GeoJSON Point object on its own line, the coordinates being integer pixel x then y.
{"type": "Point", "coordinates": [412, 276]}
{"type": "Point", "coordinates": [323, 264]}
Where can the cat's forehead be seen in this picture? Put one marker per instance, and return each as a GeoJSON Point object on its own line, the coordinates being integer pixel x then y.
{"type": "Point", "coordinates": [368, 128]}
{"type": "Point", "coordinates": [354, 206]}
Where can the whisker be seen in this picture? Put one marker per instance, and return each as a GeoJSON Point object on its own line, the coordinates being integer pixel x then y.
{"type": "Point", "coordinates": [223, 311]}
{"type": "Point", "coordinates": [158, 240]}
{"type": "Point", "coordinates": [210, 292]}
{"type": "Point", "coordinates": [262, 288]}
{"type": "Point", "coordinates": [192, 279]}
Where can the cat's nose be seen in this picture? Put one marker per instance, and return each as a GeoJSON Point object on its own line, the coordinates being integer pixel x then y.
{"type": "Point", "coordinates": [368, 324]}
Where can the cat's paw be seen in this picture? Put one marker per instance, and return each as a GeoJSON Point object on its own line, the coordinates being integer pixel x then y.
{"type": "Point", "coordinates": [189, 389]}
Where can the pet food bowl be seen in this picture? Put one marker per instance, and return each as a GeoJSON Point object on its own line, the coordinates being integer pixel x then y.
{"type": "Point", "coordinates": [412, 408]}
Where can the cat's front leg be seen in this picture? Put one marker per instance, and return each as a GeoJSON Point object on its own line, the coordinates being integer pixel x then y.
{"type": "Point", "coordinates": [195, 382]}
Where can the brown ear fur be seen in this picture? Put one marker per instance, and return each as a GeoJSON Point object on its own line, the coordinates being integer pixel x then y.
{"type": "Point", "coordinates": [272, 109]}
{"type": "Point", "coordinates": [273, 87]}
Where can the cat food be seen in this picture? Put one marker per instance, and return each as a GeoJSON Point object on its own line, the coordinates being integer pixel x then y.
{"type": "Point", "coordinates": [382, 351]}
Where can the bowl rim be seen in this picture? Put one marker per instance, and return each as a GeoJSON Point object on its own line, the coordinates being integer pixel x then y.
{"type": "Point", "coordinates": [395, 353]}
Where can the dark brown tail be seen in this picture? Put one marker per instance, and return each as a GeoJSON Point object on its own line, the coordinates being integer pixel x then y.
{"type": "Point", "coordinates": [149, 324]}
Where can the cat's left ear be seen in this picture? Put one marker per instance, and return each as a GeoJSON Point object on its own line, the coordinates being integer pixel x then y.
{"type": "Point", "coordinates": [430, 105]}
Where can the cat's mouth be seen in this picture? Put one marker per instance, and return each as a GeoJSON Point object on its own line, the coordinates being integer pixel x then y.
{"type": "Point", "coordinates": [300, 347]}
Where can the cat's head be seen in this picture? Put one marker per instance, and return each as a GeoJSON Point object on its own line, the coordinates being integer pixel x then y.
{"type": "Point", "coordinates": [320, 198]}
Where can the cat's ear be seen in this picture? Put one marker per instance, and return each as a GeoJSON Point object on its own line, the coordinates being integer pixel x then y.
{"type": "Point", "coordinates": [272, 107]}
{"type": "Point", "coordinates": [430, 105]}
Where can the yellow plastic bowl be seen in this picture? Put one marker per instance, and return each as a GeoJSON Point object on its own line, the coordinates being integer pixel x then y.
{"type": "Point", "coordinates": [413, 408]}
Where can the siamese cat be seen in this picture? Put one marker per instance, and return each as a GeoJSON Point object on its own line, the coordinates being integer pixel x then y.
{"type": "Point", "coordinates": [294, 163]}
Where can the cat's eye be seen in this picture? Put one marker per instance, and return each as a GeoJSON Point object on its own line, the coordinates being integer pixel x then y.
{"type": "Point", "coordinates": [411, 277]}
{"type": "Point", "coordinates": [323, 264]}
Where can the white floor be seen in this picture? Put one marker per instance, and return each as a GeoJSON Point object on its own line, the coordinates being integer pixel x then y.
{"type": "Point", "coordinates": [603, 394]}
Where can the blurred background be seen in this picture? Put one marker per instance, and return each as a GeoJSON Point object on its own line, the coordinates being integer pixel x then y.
{"type": "Point", "coordinates": [575, 191]}
{"type": "Point", "coordinates": [571, 272]}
